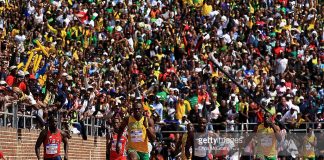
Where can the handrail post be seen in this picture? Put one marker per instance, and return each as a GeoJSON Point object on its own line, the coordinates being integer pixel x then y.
{"type": "Point", "coordinates": [58, 115]}
{"type": "Point", "coordinates": [242, 125]}
{"type": "Point", "coordinates": [92, 126]}
{"type": "Point", "coordinates": [85, 123]}
{"type": "Point", "coordinates": [225, 127]}
{"type": "Point", "coordinates": [31, 119]}
{"type": "Point", "coordinates": [24, 118]}
{"type": "Point", "coordinates": [105, 127]}
{"type": "Point", "coordinates": [5, 116]}
{"type": "Point", "coordinates": [15, 115]}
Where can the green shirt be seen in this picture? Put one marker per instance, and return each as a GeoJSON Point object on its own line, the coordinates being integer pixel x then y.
{"type": "Point", "coordinates": [294, 53]}
{"type": "Point", "coordinates": [162, 95]}
{"type": "Point", "coordinates": [193, 100]}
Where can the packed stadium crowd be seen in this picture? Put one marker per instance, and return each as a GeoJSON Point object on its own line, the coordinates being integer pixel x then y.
{"type": "Point", "coordinates": [102, 58]}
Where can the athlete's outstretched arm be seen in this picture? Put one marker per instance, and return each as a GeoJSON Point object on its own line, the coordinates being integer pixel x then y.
{"type": "Point", "coordinates": [65, 138]}
{"type": "Point", "coordinates": [39, 142]}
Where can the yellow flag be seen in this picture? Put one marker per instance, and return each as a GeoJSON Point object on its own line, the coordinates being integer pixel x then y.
{"type": "Point", "coordinates": [42, 48]}
{"type": "Point", "coordinates": [70, 2]}
{"type": "Point", "coordinates": [147, 108]}
{"type": "Point", "coordinates": [21, 64]}
{"type": "Point", "coordinates": [142, 82]}
{"type": "Point", "coordinates": [29, 60]}
{"type": "Point", "coordinates": [206, 9]}
{"type": "Point", "coordinates": [75, 55]}
{"type": "Point", "coordinates": [36, 66]}
{"type": "Point", "coordinates": [250, 23]}
{"type": "Point", "coordinates": [42, 80]}
{"type": "Point", "coordinates": [310, 27]}
{"type": "Point", "coordinates": [35, 61]}
{"type": "Point", "coordinates": [251, 8]}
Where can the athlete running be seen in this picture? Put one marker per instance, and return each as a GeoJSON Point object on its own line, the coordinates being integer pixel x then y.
{"type": "Point", "coordinates": [140, 130]}
{"type": "Point", "coordinates": [198, 153]}
{"type": "Point", "coordinates": [112, 141]}
{"type": "Point", "coordinates": [268, 134]}
{"type": "Point", "coordinates": [51, 138]}
{"type": "Point", "coordinates": [310, 142]}
{"type": "Point", "coordinates": [2, 156]}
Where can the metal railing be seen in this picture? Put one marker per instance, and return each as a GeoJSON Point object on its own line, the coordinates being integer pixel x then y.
{"type": "Point", "coordinates": [21, 117]}
{"type": "Point", "coordinates": [13, 117]}
{"type": "Point", "coordinates": [241, 127]}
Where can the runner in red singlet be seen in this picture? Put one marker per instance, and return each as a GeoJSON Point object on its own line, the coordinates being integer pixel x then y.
{"type": "Point", "coordinates": [2, 156]}
{"type": "Point", "coordinates": [51, 138]}
{"type": "Point", "coordinates": [112, 142]}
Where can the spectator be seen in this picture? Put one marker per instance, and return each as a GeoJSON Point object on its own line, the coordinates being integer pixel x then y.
{"type": "Point", "coordinates": [96, 58]}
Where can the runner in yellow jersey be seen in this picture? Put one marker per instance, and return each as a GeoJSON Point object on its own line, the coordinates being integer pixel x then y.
{"type": "Point", "coordinates": [268, 134]}
{"type": "Point", "coordinates": [140, 131]}
{"type": "Point", "coordinates": [309, 143]}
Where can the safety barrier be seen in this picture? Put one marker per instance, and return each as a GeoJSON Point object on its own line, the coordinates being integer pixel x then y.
{"type": "Point", "coordinates": [20, 116]}
{"type": "Point", "coordinates": [239, 127]}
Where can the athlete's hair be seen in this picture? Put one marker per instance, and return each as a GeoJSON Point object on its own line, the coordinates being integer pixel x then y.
{"type": "Point", "coordinates": [51, 118]}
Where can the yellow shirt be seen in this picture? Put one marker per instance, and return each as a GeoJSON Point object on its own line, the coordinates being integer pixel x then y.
{"type": "Point", "coordinates": [14, 32]}
{"type": "Point", "coordinates": [299, 122]}
{"type": "Point", "coordinates": [180, 111]}
{"type": "Point", "coordinates": [187, 105]}
{"type": "Point", "coordinates": [4, 33]}
{"type": "Point", "coordinates": [137, 136]}
{"type": "Point", "coordinates": [308, 149]}
{"type": "Point", "coordinates": [159, 56]}
{"type": "Point", "coordinates": [267, 142]}
{"type": "Point", "coordinates": [99, 24]}
{"type": "Point", "coordinates": [157, 74]}
{"type": "Point", "coordinates": [1, 9]}
{"type": "Point", "coordinates": [256, 79]}
{"type": "Point", "coordinates": [242, 105]}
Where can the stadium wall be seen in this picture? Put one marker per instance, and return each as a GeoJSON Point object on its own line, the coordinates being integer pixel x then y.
{"type": "Point", "coordinates": [20, 145]}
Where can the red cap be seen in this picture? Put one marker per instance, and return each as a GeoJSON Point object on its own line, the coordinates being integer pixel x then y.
{"type": "Point", "coordinates": [172, 136]}
{"type": "Point", "coordinates": [32, 76]}
{"type": "Point", "coordinates": [186, 28]}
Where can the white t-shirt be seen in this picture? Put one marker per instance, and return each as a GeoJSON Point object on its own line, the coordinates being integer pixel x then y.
{"type": "Point", "coordinates": [38, 18]}
{"type": "Point", "coordinates": [289, 117]}
{"type": "Point", "coordinates": [281, 65]}
{"type": "Point", "coordinates": [215, 113]}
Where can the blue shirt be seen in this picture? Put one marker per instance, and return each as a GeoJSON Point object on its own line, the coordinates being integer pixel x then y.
{"type": "Point", "coordinates": [249, 72]}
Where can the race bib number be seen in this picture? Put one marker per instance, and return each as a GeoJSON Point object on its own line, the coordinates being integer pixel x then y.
{"type": "Point", "coordinates": [266, 141]}
{"type": "Point", "coordinates": [308, 147]}
{"type": "Point", "coordinates": [200, 151]}
{"type": "Point", "coordinates": [51, 149]}
{"type": "Point", "coordinates": [136, 136]}
{"type": "Point", "coordinates": [113, 145]}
